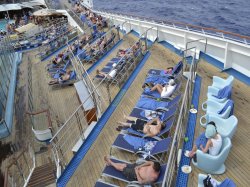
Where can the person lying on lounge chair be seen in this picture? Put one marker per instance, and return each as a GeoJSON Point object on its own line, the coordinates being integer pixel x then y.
{"type": "Point", "coordinates": [151, 128]}
{"type": "Point", "coordinates": [62, 78]}
{"type": "Point", "coordinates": [208, 142]}
{"type": "Point", "coordinates": [57, 59]}
{"type": "Point", "coordinates": [167, 90]}
{"type": "Point", "coordinates": [145, 173]}
{"type": "Point", "coordinates": [109, 75]}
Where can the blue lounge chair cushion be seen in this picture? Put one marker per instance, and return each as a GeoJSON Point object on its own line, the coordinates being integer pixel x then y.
{"type": "Point", "coordinates": [152, 104]}
{"type": "Point", "coordinates": [112, 172]}
{"type": "Point", "coordinates": [136, 142]}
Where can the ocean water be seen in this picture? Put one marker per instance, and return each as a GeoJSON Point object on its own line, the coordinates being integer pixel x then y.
{"type": "Point", "coordinates": [228, 15]}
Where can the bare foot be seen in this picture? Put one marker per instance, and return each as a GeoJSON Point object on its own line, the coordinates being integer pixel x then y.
{"type": "Point", "coordinates": [124, 116]}
{"type": "Point", "coordinates": [191, 154]}
{"type": "Point", "coordinates": [107, 160]}
{"type": "Point", "coordinates": [97, 71]}
{"type": "Point", "coordinates": [119, 122]}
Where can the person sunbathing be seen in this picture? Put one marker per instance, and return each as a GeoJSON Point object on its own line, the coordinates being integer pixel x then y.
{"type": "Point", "coordinates": [165, 91]}
{"type": "Point", "coordinates": [151, 128]}
{"type": "Point", "coordinates": [145, 173]}
{"type": "Point", "coordinates": [57, 59]}
{"type": "Point", "coordinates": [62, 78]}
{"type": "Point", "coordinates": [109, 75]}
{"type": "Point", "coordinates": [208, 142]}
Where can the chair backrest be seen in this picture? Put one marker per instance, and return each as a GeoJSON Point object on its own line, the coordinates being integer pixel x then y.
{"type": "Point", "coordinates": [225, 148]}
{"type": "Point", "coordinates": [161, 146]}
{"type": "Point", "coordinates": [177, 68]}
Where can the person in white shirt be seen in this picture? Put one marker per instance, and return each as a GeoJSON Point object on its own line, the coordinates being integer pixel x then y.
{"type": "Point", "coordinates": [167, 90]}
{"type": "Point", "coordinates": [110, 75]}
{"type": "Point", "coordinates": [213, 144]}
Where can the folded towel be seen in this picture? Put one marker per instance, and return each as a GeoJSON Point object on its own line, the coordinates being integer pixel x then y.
{"type": "Point", "coordinates": [137, 142]}
{"type": "Point", "coordinates": [224, 93]}
{"type": "Point", "coordinates": [229, 103]}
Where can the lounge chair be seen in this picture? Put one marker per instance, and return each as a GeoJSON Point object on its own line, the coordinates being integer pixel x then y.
{"type": "Point", "coordinates": [223, 110]}
{"type": "Point", "coordinates": [160, 146]}
{"type": "Point", "coordinates": [162, 113]}
{"type": "Point", "coordinates": [219, 95]}
{"type": "Point", "coordinates": [156, 94]}
{"type": "Point", "coordinates": [69, 82]}
{"type": "Point", "coordinates": [221, 83]}
{"type": "Point", "coordinates": [176, 71]}
{"type": "Point", "coordinates": [152, 104]}
{"type": "Point", "coordinates": [168, 125]}
{"type": "Point", "coordinates": [109, 171]}
{"type": "Point", "coordinates": [225, 127]}
{"type": "Point", "coordinates": [213, 164]}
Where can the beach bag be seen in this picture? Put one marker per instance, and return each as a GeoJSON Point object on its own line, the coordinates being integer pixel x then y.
{"type": "Point", "coordinates": [207, 181]}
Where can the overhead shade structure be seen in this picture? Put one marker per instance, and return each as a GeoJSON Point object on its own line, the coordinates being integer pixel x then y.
{"type": "Point", "coordinates": [26, 28]}
{"type": "Point", "coordinates": [2, 9]}
{"type": "Point", "coordinates": [9, 7]}
{"type": "Point", "coordinates": [46, 12]}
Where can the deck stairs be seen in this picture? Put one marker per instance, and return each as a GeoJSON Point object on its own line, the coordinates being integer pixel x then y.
{"type": "Point", "coordinates": [43, 176]}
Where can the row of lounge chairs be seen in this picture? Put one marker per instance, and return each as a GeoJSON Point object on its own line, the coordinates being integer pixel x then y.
{"type": "Point", "coordinates": [165, 109]}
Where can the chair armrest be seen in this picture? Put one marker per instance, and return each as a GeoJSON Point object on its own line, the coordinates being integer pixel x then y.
{"type": "Point", "coordinates": [204, 106]}
{"type": "Point", "coordinates": [202, 118]}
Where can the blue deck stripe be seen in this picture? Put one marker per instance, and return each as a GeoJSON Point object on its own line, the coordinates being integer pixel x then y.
{"type": "Point", "coordinates": [182, 178]}
{"type": "Point", "coordinates": [76, 160]}
{"type": "Point", "coordinates": [104, 56]}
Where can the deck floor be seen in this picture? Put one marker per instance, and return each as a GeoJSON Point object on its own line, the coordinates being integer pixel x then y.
{"type": "Point", "coordinates": [62, 102]}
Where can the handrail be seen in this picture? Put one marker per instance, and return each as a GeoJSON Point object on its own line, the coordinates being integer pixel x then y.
{"type": "Point", "coordinates": [12, 163]}
{"type": "Point", "coordinates": [40, 112]}
{"type": "Point", "coordinates": [174, 23]}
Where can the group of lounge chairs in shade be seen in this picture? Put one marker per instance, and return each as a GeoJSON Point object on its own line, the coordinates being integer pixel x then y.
{"type": "Point", "coordinates": [148, 108]}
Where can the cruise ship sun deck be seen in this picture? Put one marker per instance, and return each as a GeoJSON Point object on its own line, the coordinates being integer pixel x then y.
{"type": "Point", "coordinates": [66, 113]}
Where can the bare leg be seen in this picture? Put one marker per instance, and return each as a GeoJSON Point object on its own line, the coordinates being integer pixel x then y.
{"type": "Point", "coordinates": [193, 151]}
{"type": "Point", "coordinates": [117, 166]}
{"type": "Point", "coordinates": [98, 72]}
{"type": "Point", "coordinates": [157, 87]}
{"type": "Point", "coordinates": [53, 82]}
{"type": "Point", "coordinates": [130, 118]}
{"type": "Point", "coordinates": [124, 124]}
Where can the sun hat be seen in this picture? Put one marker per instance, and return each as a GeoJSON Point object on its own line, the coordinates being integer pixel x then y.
{"type": "Point", "coordinates": [210, 131]}
{"type": "Point", "coordinates": [171, 82]}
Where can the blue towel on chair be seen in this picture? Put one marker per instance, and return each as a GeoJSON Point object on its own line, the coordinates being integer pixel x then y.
{"type": "Point", "coordinates": [227, 183]}
{"type": "Point", "coordinates": [157, 79]}
{"type": "Point", "coordinates": [229, 103]}
{"type": "Point", "coordinates": [150, 104]}
{"type": "Point", "coordinates": [224, 92]}
{"type": "Point", "coordinates": [135, 141]}
{"type": "Point", "coordinates": [201, 140]}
